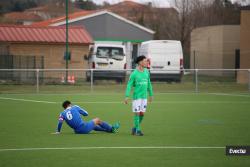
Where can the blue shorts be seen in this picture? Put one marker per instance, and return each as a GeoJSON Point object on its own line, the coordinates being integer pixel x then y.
{"type": "Point", "coordinates": [86, 128]}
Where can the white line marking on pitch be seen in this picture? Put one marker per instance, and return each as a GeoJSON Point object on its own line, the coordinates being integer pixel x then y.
{"type": "Point", "coordinates": [173, 102]}
{"type": "Point", "coordinates": [227, 94]}
{"type": "Point", "coordinates": [96, 148]}
{"type": "Point", "coordinates": [120, 102]}
{"type": "Point", "coordinates": [27, 100]}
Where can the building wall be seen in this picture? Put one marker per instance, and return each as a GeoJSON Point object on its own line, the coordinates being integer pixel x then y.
{"type": "Point", "coordinates": [231, 42]}
{"type": "Point", "coordinates": [206, 48]}
{"type": "Point", "coordinates": [54, 57]}
{"type": "Point", "coordinates": [53, 54]}
{"type": "Point", "coordinates": [107, 27]}
{"type": "Point", "coordinates": [4, 49]}
{"type": "Point", "coordinates": [243, 77]}
{"type": "Point", "coordinates": [214, 48]}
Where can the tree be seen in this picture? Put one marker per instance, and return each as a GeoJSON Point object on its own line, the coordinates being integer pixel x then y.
{"type": "Point", "coordinates": [86, 5]}
{"type": "Point", "coordinates": [16, 5]}
{"type": "Point", "coordinates": [199, 13]}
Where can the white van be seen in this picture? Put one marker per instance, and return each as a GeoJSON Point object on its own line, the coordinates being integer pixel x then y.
{"type": "Point", "coordinates": [108, 61]}
{"type": "Point", "coordinates": [165, 59]}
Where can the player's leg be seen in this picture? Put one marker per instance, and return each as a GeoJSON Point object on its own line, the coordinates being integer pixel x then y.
{"type": "Point", "coordinates": [89, 126]}
{"type": "Point", "coordinates": [98, 128]}
{"type": "Point", "coordinates": [104, 126]}
{"type": "Point", "coordinates": [108, 128]}
{"type": "Point", "coordinates": [136, 110]}
{"type": "Point", "coordinates": [95, 124]}
{"type": "Point", "coordinates": [86, 128]}
{"type": "Point", "coordinates": [143, 109]}
{"type": "Point", "coordinates": [141, 116]}
{"type": "Point", "coordinates": [139, 132]}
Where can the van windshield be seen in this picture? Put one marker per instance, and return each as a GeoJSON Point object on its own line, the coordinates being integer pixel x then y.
{"type": "Point", "coordinates": [110, 52]}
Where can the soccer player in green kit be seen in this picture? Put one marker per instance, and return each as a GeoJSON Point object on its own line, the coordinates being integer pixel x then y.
{"type": "Point", "coordinates": [140, 80]}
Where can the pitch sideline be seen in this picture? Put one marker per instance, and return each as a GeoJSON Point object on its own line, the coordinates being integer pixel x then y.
{"type": "Point", "coordinates": [120, 102]}
{"type": "Point", "coordinates": [97, 148]}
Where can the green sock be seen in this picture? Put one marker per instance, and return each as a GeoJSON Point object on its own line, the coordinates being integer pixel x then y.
{"type": "Point", "coordinates": [141, 118]}
{"type": "Point", "coordinates": [137, 122]}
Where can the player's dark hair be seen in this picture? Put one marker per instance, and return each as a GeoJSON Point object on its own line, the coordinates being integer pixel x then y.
{"type": "Point", "coordinates": [65, 104]}
{"type": "Point", "coordinates": [140, 58]}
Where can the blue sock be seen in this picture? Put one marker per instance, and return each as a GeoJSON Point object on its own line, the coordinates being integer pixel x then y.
{"type": "Point", "coordinates": [98, 128]}
{"type": "Point", "coordinates": [106, 126]}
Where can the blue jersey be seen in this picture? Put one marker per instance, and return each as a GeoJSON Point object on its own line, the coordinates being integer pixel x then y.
{"type": "Point", "coordinates": [72, 116]}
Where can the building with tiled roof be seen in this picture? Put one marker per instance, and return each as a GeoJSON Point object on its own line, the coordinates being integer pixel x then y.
{"type": "Point", "coordinates": [104, 25]}
{"type": "Point", "coordinates": [42, 47]}
{"type": "Point", "coordinates": [100, 24]}
{"type": "Point", "coordinates": [13, 34]}
{"type": "Point", "coordinates": [52, 21]}
{"type": "Point", "coordinates": [22, 18]}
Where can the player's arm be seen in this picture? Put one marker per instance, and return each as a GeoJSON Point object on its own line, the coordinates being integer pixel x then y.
{"type": "Point", "coordinates": [150, 89]}
{"type": "Point", "coordinates": [59, 125]}
{"type": "Point", "coordinates": [82, 111]}
{"type": "Point", "coordinates": [129, 86]}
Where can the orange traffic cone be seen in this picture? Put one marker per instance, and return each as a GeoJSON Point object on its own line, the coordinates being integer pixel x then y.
{"type": "Point", "coordinates": [69, 79]}
{"type": "Point", "coordinates": [72, 79]}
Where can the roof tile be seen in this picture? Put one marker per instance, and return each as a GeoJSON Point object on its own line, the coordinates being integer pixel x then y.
{"type": "Point", "coordinates": [77, 34]}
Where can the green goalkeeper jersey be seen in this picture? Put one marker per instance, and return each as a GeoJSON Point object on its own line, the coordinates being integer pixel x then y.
{"type": "Point", "coordinates": [141, 83]}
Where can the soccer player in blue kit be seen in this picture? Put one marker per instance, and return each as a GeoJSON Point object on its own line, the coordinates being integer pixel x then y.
{"type": "Point", "coordinates": [72, 116]}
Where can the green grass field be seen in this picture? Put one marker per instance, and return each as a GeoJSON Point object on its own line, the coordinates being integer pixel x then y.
{"type": "Point", "coordinates": [180, 130]}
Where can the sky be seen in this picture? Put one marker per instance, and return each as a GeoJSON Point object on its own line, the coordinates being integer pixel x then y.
{"type": "Point", "coordinates": [163, 3]}
{"type": "Point", "coordinates": [157, 3]}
